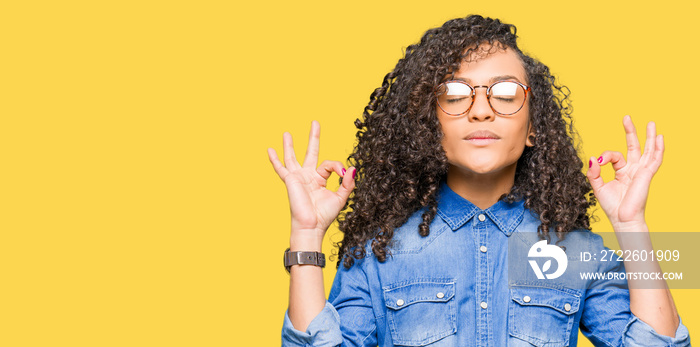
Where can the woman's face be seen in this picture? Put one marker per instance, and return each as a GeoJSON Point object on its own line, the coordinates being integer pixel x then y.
{"type": "Point", "coordinates": [479, 155]}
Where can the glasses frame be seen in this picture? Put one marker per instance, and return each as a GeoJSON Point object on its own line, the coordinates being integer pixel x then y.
{"type": "Point", "coordinates": [488, 96]}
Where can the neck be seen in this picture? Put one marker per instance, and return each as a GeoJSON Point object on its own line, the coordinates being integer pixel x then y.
{"type": "Point", "coordinates": [482, 190]}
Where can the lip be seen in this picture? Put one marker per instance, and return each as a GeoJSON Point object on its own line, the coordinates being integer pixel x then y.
{"type": "Point", "coordinates": [482, 138]}
{"type": "Point", "coordinates": [482, 135]}
{"type": "Point", "coordinates": [481, 142]}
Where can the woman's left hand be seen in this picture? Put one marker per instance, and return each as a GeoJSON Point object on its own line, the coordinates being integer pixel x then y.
{"type": "Point", "coordinates": [624, 198]}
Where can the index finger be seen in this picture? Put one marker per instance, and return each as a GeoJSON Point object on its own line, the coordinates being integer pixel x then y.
{"type": "Point", "coordinates": [634, 151]}
{"type": "Point", "coordinates": [311, 157]}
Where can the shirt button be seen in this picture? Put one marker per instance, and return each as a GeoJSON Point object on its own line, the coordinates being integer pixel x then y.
{"type": "Point", "coordinates": [567, 307]}
{"type": "Point", "coordinates": [440, 295]}
{"type": "Point", "coordinates": [526, 298]}
{"type": "Point", "coordinates": [483, 249]}
{"type": "Point", "coordinates": [482, 217]}
{"type": "Point", "coordinates": [484, 305]}
{"type": "Point", "coordinates": [399, 302]}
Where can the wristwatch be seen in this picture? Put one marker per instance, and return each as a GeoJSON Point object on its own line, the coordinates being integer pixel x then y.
{"type": "Point", "coordinates": [303, 258]}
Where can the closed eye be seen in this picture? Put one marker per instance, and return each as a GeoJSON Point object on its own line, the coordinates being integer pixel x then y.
{"type": "Point", "coordinates": [456, 100]}
{"type": "Point", "coordinates": [504, 99]}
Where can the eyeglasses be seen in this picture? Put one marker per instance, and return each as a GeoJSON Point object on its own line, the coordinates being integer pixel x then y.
{"type": "Point", "coordinates": [457, 97]}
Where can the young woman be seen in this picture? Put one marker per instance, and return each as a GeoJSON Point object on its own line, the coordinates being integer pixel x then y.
{"type": "Point", "coordinates": [466, 147]}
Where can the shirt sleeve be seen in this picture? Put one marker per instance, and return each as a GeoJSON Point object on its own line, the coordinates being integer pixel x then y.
{"type": "Point", "coordinates": [346, 320]}
{"type": "Point", "coordinates": [638, 334]}
{"type": "Point", "coordinates": [324, 330]}
{"type": "Point", "coordinates": [607, 320]}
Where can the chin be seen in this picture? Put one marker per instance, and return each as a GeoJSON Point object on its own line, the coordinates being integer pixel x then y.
{"type": "Point", "coordinates": [486, 167]}
{"type": "Point", "coordinates": [475, 169]}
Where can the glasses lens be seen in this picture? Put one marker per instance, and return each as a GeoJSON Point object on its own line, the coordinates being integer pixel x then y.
{"type": "Point", "coordinates": [454, 97]}
{"type": "Point", "coordinates": [507, 97]}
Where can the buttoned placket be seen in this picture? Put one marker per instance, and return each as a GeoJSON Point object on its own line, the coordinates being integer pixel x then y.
{"type": "Point", "coordinates": [483, 287]}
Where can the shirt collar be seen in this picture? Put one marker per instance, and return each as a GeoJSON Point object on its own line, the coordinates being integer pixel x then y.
{"type": "Point", "coordinates": [456, 210]}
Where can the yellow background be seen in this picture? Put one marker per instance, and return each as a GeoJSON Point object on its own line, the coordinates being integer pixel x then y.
{"type": "Point", "coordinates": [138, 204]}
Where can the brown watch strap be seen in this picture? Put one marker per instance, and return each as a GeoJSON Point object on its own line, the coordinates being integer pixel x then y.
{"type": "Point", "coordinates": [303, 258]}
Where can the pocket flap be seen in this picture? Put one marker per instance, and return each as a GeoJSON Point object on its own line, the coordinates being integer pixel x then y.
{"type": "Point", "coordinates": [562, 300]}
{"type": "Point", "coordinates": [401, 295]}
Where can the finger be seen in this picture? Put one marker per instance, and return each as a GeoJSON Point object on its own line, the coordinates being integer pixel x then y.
{"type": "Point", "coordinates": [348, 184]}
{"type": "Point", "coordinates": [593, 174]}
{"type": "Point", "coordinates": [277, 164]}
{"type": "Point", "coordinates": [290, 160]}
{"type": "Point", "coordinates": [328, 167]}
{"type": "Point", "coordinates": [614, 157]}
{"type": "Point", "coordinates": [650, 143]}
{"type": "Point", "coordinates": [311, 157]}
{"type": "Point", "coordinates": [633, 148]}
{"type": "Point", "coordinates": [658, 156]}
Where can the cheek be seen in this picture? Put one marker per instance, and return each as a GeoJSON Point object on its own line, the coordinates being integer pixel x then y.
{"type": "Point", "coordinates": [446, 137]}
{"type": "Point", "coordinates": [446, 145]}
{"type": "Point", "coordinates": [519, 136]}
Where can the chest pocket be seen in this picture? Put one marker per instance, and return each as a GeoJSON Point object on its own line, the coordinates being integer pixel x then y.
{"type": "Point", "coordinates": [421, 312]}
{"type": "Point", "coordinates": [542, 316]}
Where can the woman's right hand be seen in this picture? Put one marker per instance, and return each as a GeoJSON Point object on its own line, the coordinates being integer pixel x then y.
{"type": "Point", "coordinates": [313, 207]}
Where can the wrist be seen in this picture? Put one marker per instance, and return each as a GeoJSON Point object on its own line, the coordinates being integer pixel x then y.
{"type": "Point", "coordinates": [305, 242]}
{"type": "Point", "coordinates": [298, 258]}
{"type": "Point", "coordinates": [630, 226]}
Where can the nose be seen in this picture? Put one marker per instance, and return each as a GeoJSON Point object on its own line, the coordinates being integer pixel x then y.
{"type": "Point", "coordinates": [481, 109]}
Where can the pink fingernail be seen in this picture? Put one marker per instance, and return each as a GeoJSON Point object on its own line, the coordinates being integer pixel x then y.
{"type": "Point", "coordinates": [590, 163]}
{"type": "Point", "coordinates": [600, 159]}
{"type": "Point", "coordinates": [343, 172]}
{"type": "Point", "coordinates": [354, 171]}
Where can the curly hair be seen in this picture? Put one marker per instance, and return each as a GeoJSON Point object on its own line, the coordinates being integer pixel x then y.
{"type": "Point", "coordinates": [400, 160]}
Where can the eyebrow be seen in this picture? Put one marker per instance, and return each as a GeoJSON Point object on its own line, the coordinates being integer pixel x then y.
{"type": "Point", "coordinates": [492, 80]}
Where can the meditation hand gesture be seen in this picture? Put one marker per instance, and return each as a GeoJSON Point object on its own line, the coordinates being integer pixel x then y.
{"type": "Point", "coordinates": [313, 207]}
{"type": "Point", "coordinates": [624, 198]}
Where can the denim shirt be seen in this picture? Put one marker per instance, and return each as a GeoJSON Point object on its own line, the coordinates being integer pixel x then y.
{"type": "Point", "coordinates": [451, 288]}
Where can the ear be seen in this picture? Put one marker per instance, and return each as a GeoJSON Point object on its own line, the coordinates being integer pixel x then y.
{"type": "Point", "coordinates": [530, 142]}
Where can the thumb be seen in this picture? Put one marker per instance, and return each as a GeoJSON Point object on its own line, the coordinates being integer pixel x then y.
{"type": "Point", "coordinates": [348, 184]}
{"type": "Point", "coordinates": [593, 174]}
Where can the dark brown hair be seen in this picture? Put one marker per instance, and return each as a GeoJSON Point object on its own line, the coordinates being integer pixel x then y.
{"type": "Point", "coordinates": [400, 160]}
